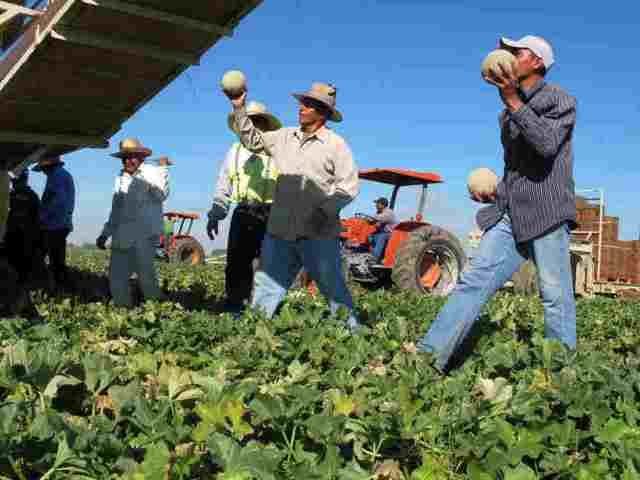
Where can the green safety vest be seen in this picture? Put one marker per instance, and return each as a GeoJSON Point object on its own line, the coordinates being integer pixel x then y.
{"type": "Point", "coordinates": [255, 181]}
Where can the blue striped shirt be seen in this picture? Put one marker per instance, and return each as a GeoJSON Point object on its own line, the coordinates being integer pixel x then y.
{"type": "Point", "coordinates": [537, 187]}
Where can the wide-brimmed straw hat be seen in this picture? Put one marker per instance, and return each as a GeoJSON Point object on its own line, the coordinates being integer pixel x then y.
{"type": "Point", "coordinates": [325, 94]}
{"type": "Point", "coordinates": [257, 109]}
{"type": "Point", "coordinates": [47, 162]}
{"type": "Point", "coordinates": [131, 146]}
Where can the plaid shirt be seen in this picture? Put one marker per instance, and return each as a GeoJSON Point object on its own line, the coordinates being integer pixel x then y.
{"type": "Point", "coordinates": [537, 188]}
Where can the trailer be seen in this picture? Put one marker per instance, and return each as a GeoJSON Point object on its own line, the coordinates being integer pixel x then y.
{"type": "Point", "coordinates": [73, 71]}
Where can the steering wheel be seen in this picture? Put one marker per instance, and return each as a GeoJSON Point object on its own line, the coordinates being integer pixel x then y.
{"type": "Point", "coordinates": [366, 217]}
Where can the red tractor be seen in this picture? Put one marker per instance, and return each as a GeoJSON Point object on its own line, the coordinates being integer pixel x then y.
{"type": "Point", "coordinates": [176, 244]}
{"type": "Point", "coordinates": [419, 256]}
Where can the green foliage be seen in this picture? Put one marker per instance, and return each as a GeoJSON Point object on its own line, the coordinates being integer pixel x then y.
{"type": "Point", "coordinates": [179, 390]}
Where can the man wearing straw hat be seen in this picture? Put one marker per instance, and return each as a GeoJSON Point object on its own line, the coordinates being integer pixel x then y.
{"type": "Point", "coordinates": [56, 214]}
{"type": "Point", "coordinates": [135, 222]}
{"type": "Point", "coordinates": [317, 178]}
{"type": "Point", "coordinates": [247, 179]}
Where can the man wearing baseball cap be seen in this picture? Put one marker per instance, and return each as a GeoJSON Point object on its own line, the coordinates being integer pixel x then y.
{"type": "Point", "coordinates": [532, 210]}
{"type": "Point", "coordinates": [385, 220]}
{"type": "Point", "coordinates": [317, 177]}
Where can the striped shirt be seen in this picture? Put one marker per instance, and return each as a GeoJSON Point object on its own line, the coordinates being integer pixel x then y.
{"type": "Point", "coordinates": [537, 188]}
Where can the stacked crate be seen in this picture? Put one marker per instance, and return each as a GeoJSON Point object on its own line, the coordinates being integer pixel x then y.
{"type": "Point", "coordinates": [620, 259]}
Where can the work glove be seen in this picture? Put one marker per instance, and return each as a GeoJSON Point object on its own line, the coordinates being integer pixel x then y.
{"type": "Point", "coordinates": [212, 226]}
{"type": "Point", "coordinates": [101, 242]}
{"type": "Point", "coordinates": [215, 215]}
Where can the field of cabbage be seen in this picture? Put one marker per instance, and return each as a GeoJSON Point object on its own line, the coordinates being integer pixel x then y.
{"type": "Point", "coordinates": [177, 390]}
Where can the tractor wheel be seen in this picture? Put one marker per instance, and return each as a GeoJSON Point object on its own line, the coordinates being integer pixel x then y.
{"type": "Point", "coordinates": [188, 250]}
{"type": "Point", "coordinates": [430, 261]}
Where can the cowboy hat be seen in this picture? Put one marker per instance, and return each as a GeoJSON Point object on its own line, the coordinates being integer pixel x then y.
{"type": "Point", "coordinates": [257, 109]}
{"type": "Point", "coordinates": [130, 146]}
{"type": "Point", "coordinates": [326, 95]}
{"type": "Point", "coordinates": [47, 162]}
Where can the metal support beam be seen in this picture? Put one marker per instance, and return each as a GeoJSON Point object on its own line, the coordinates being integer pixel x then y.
{"type": "Point", "coordinates": [7, 136]}
{"type": "Point", "coordinates": [153, 14]}
{"type": "Point", "coordinates": [18, 9]}
{"type": "Point", "coordinates": [108, 43]}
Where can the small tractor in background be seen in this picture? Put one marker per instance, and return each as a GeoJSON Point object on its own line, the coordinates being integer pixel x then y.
{"type": "Point", "coordinates": [418, 257]}
{"type": "Point", "coordinates": [176, 243]}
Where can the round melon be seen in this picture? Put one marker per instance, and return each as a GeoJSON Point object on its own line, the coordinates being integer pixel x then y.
{"type": "Point", "coordinates": [234, 82]}
{"type": "Point", "coordinates": [495, 60]}
{"type": "Point", "coordinates": [482, 181]}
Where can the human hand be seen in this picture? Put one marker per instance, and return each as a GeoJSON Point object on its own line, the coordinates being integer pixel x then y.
{"type": "Point", "coordinates": [237, 101]}
{"type": "Point", "coordinates": [483, 197]}
{"type": "Point", "coordinates": [101, 242]}
{"type": "Point", "coordinates": [212, 227]}
{"type": "Point", "coordinates": [319, 218]}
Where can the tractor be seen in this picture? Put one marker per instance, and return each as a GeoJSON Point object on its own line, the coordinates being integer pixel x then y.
{"type": "Point", "coordinates": [418, 257]}
{"type": "Point", "coordinates": [176, 243]}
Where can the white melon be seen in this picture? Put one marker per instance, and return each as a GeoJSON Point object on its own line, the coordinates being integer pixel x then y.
{"type": "Point", "coordinates": [495, 60]}
{"type": "Point", "coordinates": [482, 181]}
{"type": "Point", "coordinates": [234, 82]}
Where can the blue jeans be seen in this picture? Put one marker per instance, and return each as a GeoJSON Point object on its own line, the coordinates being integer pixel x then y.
{"type": "Point", "coordinates": [379, 241]}
{"type": "Point", "coordinates": [498, 258]}
{"type": "Point", "coordinates": [281, 261]}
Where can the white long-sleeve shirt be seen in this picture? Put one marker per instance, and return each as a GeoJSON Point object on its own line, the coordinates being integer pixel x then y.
{"type": "Point", "coordinates": [315, 172]}
{"type": "Point", "coordinates": [136, 210]}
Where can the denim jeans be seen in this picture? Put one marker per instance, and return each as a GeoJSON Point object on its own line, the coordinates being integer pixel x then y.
{"type": "Point", "coordinates": [379, 241]}
{"type": "Point", "coordinates": [498, 258]}
{"type": "Point", "coordinates": [281, 261]}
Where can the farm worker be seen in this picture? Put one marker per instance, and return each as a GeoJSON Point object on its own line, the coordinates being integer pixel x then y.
{"type": "Point", "coordinates": [531, 211]}
{"type": "Point", "coordinates": [317, 178]}
{"type": "Point", "coordinates": [23, 227]}
{"type": "Point", "coordinates": [247, 179]}
{"type": "Point", "coordinates": [5, 189]}
{"type": "Point", "coordinates": [135, 222]}
{"type": "Point", "coordinates": [385, 220]}
{"type": "Point", "coordinates": [56, 214]}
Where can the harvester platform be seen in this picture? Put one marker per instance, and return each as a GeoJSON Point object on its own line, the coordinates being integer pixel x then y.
{"type": "Point", "coordinates": [73, 71]}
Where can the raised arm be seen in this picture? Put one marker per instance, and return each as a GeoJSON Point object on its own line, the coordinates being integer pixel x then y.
{"type": "Point", "coordinates": [548, 131]}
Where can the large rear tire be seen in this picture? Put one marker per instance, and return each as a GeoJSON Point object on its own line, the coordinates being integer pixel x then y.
{"type": "Point", "coordinates": [429, 262]}
{"type": "Point", "coordinates": [189, 251]}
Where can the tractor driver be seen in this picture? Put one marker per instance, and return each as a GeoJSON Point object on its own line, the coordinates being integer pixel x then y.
{"type": "Point", "coordinates": [135, 222]}
{"type": "Point", "coordinates": [385, 220]}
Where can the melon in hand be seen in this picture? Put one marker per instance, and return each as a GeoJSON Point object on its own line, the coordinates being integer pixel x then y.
{"type": "Point", "coordinates": [233, 83]}
{"type": "Point", "coordinates": [497, 61]}
{"type": "Point", "coordinates": [482, 182]}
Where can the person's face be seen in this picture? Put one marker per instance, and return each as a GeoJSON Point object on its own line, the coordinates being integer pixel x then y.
{"type": "Point", "coordinates": [379, 207]}
{"type": "Point", "coordinates": [527, 62]}
{"type": "Point", "coordinates": [310, 113]}
{"type": "Point", "coordinates": [131, 163]}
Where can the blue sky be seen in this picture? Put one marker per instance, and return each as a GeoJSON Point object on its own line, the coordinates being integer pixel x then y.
{"type": "Point", "coordinates": [409, 88]}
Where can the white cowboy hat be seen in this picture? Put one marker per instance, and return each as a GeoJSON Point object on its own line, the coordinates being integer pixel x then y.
{"type": "Point", "coordinates": [326, 95]}
{"type": "Point", "coordinates": [257, 109]}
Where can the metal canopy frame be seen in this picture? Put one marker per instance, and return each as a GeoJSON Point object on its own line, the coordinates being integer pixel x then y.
{"type": "Point", "coordinates": [63, 43]}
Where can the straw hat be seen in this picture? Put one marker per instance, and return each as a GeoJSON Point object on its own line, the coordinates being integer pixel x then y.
{"type": "Point", "coordinates": [325, 94]}
{"type": "Point", "coordinates": [130, 146]}
{"type": "Point", "coordinates": [47, 162]}
{"type": "Point", "coordinates": [257, 109]}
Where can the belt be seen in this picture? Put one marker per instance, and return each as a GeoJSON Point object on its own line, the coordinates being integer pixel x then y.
{"type": "Point", "coordinates": [254, 206]}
